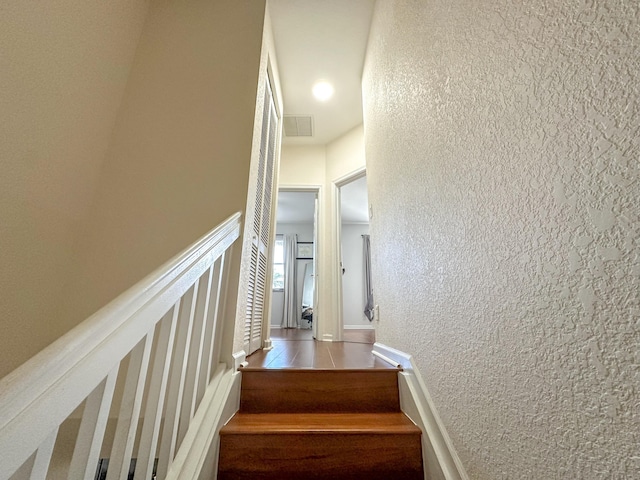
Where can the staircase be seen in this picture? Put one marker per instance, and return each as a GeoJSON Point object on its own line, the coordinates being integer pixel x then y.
{"type": "Point", "coordinates": [320, 424]}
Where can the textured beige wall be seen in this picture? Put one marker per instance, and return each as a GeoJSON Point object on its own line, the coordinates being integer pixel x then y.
{"type": "Point", "coordinates": [502, 157]}
{"type": "Point", "coordinates": [178, 161]}
{"type": "Point", "coordinates": [64, 67]}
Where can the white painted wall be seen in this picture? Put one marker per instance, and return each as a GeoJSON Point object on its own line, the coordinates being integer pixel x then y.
{"type": "Point", "coordinates": [345, 154]}
{"type": "Point", "coordinates": [502, 163]}
{"type": "Point", "coordinates": [303, 165]}
{"type": "Point", "coordinates": [353, 278]}
{"type": "Point", "coordinates": [64, 65]}
{"type": "Point", "coordinates": [305, 234]}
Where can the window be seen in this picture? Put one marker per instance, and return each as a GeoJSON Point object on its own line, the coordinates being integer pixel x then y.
{"type": "Point", "coordinates": [278, 264]}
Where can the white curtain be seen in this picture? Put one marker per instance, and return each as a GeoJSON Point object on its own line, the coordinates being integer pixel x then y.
{"type": "Point", "coordinates": [291, 310]}
{"type": "Point", "coordinates": [368, 289]}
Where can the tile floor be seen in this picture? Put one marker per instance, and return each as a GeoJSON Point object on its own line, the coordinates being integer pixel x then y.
{"type": "Point", "coordinates": [296, 348]}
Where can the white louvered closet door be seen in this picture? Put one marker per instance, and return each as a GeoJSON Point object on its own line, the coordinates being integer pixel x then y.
{"type": "Point", "coordinates": [258, 281]}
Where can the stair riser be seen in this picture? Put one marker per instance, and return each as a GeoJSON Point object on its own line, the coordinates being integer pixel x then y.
{"type": "Point", "coordinates": [320, 456]}
{"type": "Point", "coordinates": [328, 391]}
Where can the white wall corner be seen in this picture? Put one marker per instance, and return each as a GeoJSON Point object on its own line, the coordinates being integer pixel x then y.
{"type": "Point", "coordinates": [267, 344]}
{"type": "Point", "coordinates": [239, 360]}
{"type": "Point", "coordinates": [327, 337]}
{"type": "Point", "coordinates": [416, 403]}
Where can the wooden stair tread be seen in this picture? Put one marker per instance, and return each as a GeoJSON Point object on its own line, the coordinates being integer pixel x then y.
{"type": "Point", "coordinates": [318, 423]}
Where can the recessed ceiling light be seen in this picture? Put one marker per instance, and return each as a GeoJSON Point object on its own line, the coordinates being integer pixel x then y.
{"type": "Point", "coordinates": [323, 91]}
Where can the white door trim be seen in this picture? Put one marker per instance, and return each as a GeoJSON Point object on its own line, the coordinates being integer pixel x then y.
{"type": "Point", "coordinates": [319, 276]}
{"type": "Point", "coordinates": [337, 241]}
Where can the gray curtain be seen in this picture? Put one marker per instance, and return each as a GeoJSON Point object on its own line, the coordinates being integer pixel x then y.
{"type": "Point", "coordinates": [291, 312]}
{"type": "Point", "coordinates": [368, 289]}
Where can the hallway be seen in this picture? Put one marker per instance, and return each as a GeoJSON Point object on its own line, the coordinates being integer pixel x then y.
{"type": "Point", "coordinates": [295, 348]}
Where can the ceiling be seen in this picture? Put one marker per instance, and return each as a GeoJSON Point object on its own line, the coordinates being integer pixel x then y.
{"type": "Point", "coordinates": [321, 40]}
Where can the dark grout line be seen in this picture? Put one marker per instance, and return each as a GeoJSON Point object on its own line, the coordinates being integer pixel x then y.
{"type": "Point", "coordinates": [331, 357]}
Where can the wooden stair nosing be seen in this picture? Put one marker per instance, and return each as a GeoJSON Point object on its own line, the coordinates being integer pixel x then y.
{"type": "Point", "coordinates": [320, 423]}
{"type": "Point", "coordinates": [311, 369]}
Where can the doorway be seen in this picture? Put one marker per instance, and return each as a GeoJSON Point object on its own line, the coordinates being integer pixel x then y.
{"type": "Point", "coordinates": [353, 239]}
{"type": "Point", "coordinates": [294, 299]}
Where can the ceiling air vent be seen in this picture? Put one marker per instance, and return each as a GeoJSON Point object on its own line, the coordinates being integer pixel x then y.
{"type": "Point", "coordinates": [298, 126]}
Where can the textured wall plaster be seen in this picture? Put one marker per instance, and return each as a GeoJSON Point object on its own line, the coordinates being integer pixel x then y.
{"type": "Point", "coordinates": [502, 154]}
{"type": "Point", "coordinates": [64, 67]}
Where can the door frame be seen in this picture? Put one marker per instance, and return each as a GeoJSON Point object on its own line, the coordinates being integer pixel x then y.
{"type": "Point", "coordinates": [337, 242]}
{"type": "Point", "coordinates": [317, 235]}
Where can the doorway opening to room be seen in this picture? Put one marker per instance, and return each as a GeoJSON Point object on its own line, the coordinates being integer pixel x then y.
{"type": "Point", "coordinates": [355, 258]}
{"type": "Point", "coordinates": [294, 296]}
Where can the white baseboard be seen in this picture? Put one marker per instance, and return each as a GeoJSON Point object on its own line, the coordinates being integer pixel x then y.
{"type": "Point", "coordinates": [239, 360]}
{"type": "Point", "coordinates": [441, 461]}
{"type": "Point", "coordinates": [358, 327]}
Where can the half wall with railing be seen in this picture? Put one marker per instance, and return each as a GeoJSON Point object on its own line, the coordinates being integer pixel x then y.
{"type": "Point", "coordinates": [125, 394]}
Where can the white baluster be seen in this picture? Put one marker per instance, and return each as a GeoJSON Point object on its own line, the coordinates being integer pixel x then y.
{"type": "Point", "coordinates": [43, 457]}
{"type": "Point", "coordinates": [124, 438]}
{"type": "Point", "coordinates": [213, 336]}
{"type": "Point", "coordinates": [194, 361]}
{"type": "Point", "coordinates": [218, 325]}
{"type": "Point", "coordinates": [176, 382]}
{"type": "Point", "coordinates": [92, 427]}
{"type": "Point", "coordinates": [156, 395]}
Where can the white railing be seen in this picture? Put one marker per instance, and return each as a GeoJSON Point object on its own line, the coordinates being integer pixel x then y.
{"type": "Point", "coordinates": [137, 369]}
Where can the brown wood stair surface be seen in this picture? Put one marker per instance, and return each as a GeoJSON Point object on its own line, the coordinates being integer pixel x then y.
{"type": "Point", "coordinates": [310, 390]}
{"type": "Point", "coordinates": [316, 424]}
